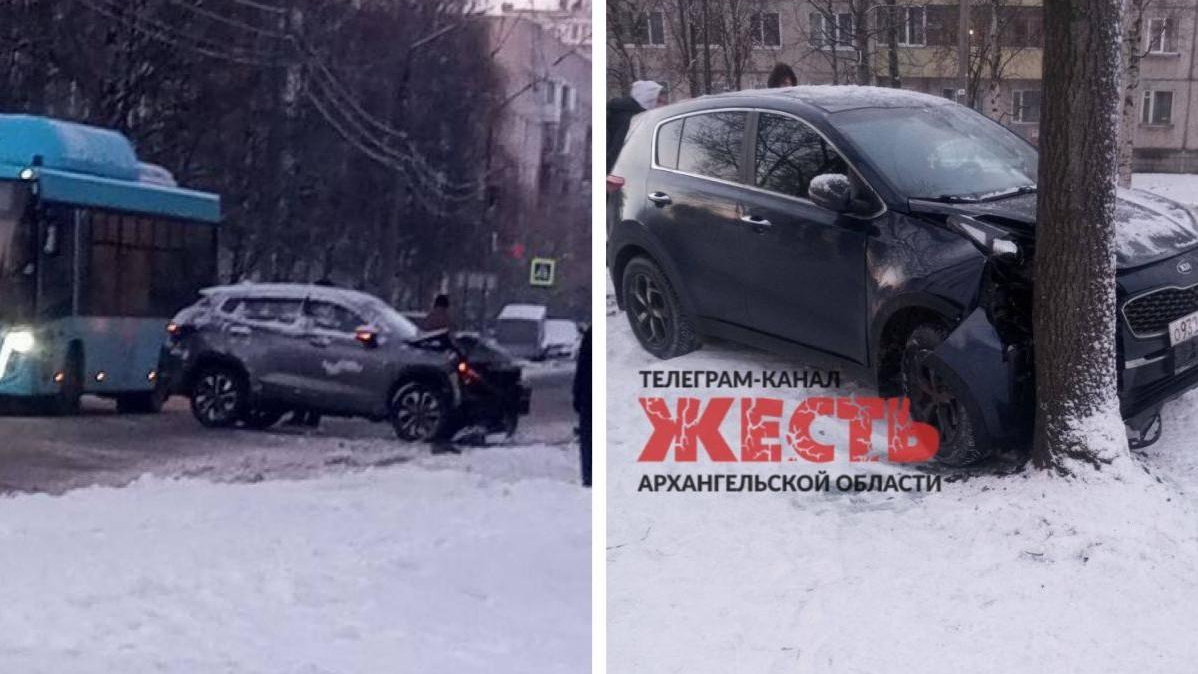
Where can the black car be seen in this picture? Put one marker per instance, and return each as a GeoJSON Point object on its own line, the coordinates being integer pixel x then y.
{"type": "Point", "coordinates": [885, 232]}
{"type": "Point", "coordinates": [248, 354]}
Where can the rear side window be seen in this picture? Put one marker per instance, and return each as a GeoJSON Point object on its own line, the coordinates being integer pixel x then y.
{"type": "Point", "coordinates": [669, 138]}
{"type": "Point", "coordinates": [790, 153]}
{"type": "Point", "coordinates": [273, 310]}
{"type": "Point", "coordinates": [712, 144]}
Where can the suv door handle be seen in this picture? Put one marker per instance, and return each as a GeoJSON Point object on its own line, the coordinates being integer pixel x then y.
{"type": "Point", "coordinates": [318, 340]}
{"type": "Point", "coordinates": [759, 224]}
{"type": "Point", "coordinates": [240, 331]}
{"type": "Point", "coordinates": [660, 198]}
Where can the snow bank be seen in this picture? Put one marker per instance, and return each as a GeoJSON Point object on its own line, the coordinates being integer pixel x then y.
{"type": "Point", "coordinates": [1018, 573]}
{"type": "Point", "coordinates": [463, 564]}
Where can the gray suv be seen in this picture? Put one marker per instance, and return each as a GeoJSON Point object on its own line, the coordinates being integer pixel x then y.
{"type": "Point", "coordinates": [247, 354]}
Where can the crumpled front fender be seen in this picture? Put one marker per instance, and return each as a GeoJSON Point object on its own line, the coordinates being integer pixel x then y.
{"type": "Point", "coordinates": [992, 378]}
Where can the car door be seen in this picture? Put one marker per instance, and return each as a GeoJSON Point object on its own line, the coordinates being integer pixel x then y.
{"type": "Point", "coordinates": [264, 334]}
{"type": "Point", "coordinates": [807, 278]}
{"type": "Point", "coordinates": [341, 373]}
{"type": "Point", "coordinates": [692, 193]}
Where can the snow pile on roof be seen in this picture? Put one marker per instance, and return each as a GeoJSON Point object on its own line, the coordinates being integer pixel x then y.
{"type": "Point", "coordinates": [401, 569]}
{"type": "Point", "coordinates": [527, 312]}
{"type": "Point", "coordinates": [992, 575]}
{"type": "Point", "coordinates": [835, 98]}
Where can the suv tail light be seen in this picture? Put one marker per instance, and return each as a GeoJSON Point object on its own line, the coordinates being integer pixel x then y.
{"type": "Point", "coordinates": [178, 329]}
{"type": "Point", "coordinates": [614, 184]}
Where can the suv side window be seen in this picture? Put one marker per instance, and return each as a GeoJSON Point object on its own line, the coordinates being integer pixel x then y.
{"type": "Point", "coordinates": [712, 143]}
{"type": "Point", "coordinates": [669, 138]}
{"type": "Point", "coordinates": [790, 153]}
{"type": "Point", "coordinates": [329, 316]}
{"type": "Point", "coordinates": [269, 310]}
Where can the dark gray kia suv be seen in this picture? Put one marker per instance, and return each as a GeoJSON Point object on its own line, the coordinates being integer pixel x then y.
{"type": "Point", "coordinates": [886, 232]}
{"type": "Point", "coordinates": [250, 353]}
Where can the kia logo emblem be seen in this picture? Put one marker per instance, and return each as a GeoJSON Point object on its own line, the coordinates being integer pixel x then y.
{"type": "Point", "coordinates": [1185, 267]}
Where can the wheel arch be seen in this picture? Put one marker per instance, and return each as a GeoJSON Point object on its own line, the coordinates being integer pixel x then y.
{"type": "Point", "coordinates": [637, 243]}
{"type": "Point", "coordinates": [896, 322]}
{"type": "Point", "coordinates": [213, 359]}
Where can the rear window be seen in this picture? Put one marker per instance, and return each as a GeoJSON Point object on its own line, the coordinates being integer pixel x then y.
{"type": "Point", "coordinates": [712, 144]}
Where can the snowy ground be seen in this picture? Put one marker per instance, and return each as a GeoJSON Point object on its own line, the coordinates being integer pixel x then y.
{"type": "Point", "coordinates": [1181, 187]}
{"type": "Point", "coordinates": [446, 564]}
{"type": "Point", "coordinates": [1021, 573]}
{"type": "Point", "coordinates": [338, 550]}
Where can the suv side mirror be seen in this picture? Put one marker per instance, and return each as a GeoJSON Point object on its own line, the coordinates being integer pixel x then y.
{"type": "Point", "coordinates": [832, 191]}
{"type": "Point", "coordinates": [367, 336]}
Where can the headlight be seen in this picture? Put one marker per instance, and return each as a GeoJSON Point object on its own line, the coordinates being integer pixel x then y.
{"type": "Point", "coordinates": [19, 341]}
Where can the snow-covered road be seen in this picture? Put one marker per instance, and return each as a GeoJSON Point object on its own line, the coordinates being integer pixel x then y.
{"type": "Point", "coordinates": [39, 453]}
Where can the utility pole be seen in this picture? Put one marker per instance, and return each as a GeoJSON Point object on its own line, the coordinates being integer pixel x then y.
{"type": "Point", "coordinates": [963, 54]}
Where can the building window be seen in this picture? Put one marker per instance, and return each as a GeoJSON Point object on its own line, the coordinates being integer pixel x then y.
{"type": "Point", "coordinates": [1025, 107]}
{"type": "Point", "coordinates": [1157, 109]}
{"type": "Point", "coordinates": [766, 29]}
{"type": "Point", "coordinates": [949, 93]}
{"type": "Point", "coordinates": [649, 28]}
{"type": "Point", "coordinates": [832, 30]}
{"type": "Point", "coordinates": [913, 26]}
{"type": "Point", "coordinates": [550, 92]}
{"type": "Point", "coordinates": [1162, 36]}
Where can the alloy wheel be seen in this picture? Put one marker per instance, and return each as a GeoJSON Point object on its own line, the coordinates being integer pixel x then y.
{"type": "Point", "coordinates": [217, 398]}
{"type": "Point", "coordinates": [418, 413]}
{"type": "Point", "coordinates": [932, 399]}
{"type": "Point", "coordinates": [650, 312]}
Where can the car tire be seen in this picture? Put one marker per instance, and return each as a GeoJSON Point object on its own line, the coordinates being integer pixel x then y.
{"type": "Point", "coordinates": [936, 401]}
{"type": "Point", "coordinates": [219, 397]}
{"type": "Point", "coordinates": [66, 402]}
{"type": "Point", "coordinates": [658, 320]}
{"type": "Point", "coordinates": [260, 419]}
{"type": "Point", "coordinates": [420, 411]}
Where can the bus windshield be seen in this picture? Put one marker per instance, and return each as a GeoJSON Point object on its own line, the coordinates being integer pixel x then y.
{"type": "Point", "coordinates": [17, 256]}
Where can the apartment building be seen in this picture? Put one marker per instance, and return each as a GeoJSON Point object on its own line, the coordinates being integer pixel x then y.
{"type": "Point", "coordinates": [913, 45]}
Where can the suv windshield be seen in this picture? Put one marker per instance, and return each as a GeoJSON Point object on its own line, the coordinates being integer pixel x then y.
{"type": "Point", "coordinates": [392, 320]}
{"type": "Point", "coordinates": [941, 152]}
{"type": "Point", "coordinates": [17, 256]}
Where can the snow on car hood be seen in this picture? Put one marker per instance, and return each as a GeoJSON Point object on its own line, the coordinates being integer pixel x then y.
{"type": "Point", "coordinates": [1148, 228]}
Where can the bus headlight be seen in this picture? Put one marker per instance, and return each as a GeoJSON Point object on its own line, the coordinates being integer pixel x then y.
{"type": "Point", "coordinates": [16, 341]}
{"type": "Point", "coordinates": [19, 341]}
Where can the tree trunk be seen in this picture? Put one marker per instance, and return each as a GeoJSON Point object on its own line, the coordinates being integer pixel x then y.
{"type": "Point", "coordinates": [994, 83]}
{"type": "Point", "coordinates": [861, 43]}
{"type": "Point", "coordinates": [1077, 411]}
{"type": "Point", "coordinates": [1133, 42]}
{"type": "Point", "coordinates": [892, 59]}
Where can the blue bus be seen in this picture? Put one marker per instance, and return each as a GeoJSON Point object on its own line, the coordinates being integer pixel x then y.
{"type": "Point", "coordinates": [97, 251]}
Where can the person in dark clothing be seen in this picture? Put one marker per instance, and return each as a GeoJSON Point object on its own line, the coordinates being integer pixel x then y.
{"type": "Point", "coordinates": [782, 76]}
{"type": "Point", "coordinates": [582, 405]}
{"type": "Point", "coordinates": [646, 95]}
{"type": "Point", "coordinates": [438, 318]}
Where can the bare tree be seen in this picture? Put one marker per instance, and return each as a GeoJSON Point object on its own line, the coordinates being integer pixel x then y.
{"type": "Point", "coordinates": [1077, 412]}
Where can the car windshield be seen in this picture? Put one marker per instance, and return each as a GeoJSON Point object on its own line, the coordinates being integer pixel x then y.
{"type": "Point", "coordinates": [392, 321]}
{"type": "Point", "coordinates": [945, 152]}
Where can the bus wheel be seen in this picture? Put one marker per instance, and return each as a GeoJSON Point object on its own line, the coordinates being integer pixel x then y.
{"type": "Point", "coordinates": [218, 397]}
{"type": "Point", "coordinates": [147, 402]}
{"type": "Point", "coordinates": [70, 389]}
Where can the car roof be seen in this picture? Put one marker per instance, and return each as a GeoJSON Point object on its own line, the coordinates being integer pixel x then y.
{"type": "Point", "coordinates": [828, 98]}
{"type": "Point", "coordinates": [297, 291]}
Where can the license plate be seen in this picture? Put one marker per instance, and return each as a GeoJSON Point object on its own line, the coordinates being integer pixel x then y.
{"type": "Point", "coordinates": [1181, 337]}
{"type": "Point", "coordinates": [1183, 329]}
